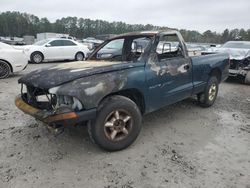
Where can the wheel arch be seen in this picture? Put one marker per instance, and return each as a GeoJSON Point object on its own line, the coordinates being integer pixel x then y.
{"type": "Point", "coordinates": [133, 94]}
{"type": "Point", "coordinates": [84, 56]}
{"type": "Point", "coordinates": [36, 52]}
{"type": "Point", "coordinates": [217, 73]}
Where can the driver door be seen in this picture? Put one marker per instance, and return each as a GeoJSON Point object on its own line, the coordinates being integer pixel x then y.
{"type": "Point", "coordinates": [169, 73]}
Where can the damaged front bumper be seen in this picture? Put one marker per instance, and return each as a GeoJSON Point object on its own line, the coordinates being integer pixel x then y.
{"type": "Point", "coordinates": [239, 67]}
{"type": "Point", "coordinates": [233, 72]}
{"type": "Point", "coordinates": [50, 117]}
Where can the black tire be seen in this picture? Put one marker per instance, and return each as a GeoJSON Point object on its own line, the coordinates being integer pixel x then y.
{"type": "Point", "coordinates": [208, 97]}
{"type": "Point", "coordinates": [101, 134]}
{"type": "Point", "coordinates": [247, 78]}
{"type": "Point", "coordinates": [36, 57]}
{"type": "Point", "coordinates": [5, 69]}
{"type": "Point", "coordinates": [79, 56]}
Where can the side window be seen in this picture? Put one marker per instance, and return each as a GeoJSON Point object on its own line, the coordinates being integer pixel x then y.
{"type": "Point", "coordinates": [111, 51]}
{"type": "Point", "coordinates": [68, 43]}
{"type": "Point", "coordinates": [138, 47]}
{"type": "Point", "coordinates": [115, 44]}
{"type": "Point", "coordinates": [169, 46]}
{"type": "Point", "coordinates": [56, 43]}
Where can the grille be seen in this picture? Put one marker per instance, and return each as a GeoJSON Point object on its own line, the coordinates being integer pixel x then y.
{"type": "Point", "coordinates": [38, 98]}
{"type": "Point", "coordinates": [237, 64]}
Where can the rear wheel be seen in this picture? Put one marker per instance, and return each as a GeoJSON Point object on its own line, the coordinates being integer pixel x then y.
{"type": "Point", "coordinates": [207, 98]}
{"type": "Point", "coordinates": [117, 124]}
{"type": "Point", "coordinates": [36, 57]}
{"type": "Point", "coordinates": [79, 56]}
{"type": "Point", "coordinates": [5, 69]}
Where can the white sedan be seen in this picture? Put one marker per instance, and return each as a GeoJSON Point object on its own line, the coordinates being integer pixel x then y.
{"type": "Point", "coordinates": [11, 60]}
{"type": "Point", "coordinates": [56, 49]}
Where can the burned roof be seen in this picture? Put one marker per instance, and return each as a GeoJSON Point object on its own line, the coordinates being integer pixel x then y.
{"type": "Point", "coordinates": [144, 33]}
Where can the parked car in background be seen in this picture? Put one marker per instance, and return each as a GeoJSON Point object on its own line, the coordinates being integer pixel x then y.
{"type": "Point", "coordinates": [239, 52]}
{"type": "Point", "coordinates": [92, 43]}
{"type": "Point", "coordinates": [11, 60]}
{"type": "Point", "coordinates": [56, 49]}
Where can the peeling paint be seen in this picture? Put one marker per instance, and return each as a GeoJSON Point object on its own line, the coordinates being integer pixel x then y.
{"type": "Point", "coordinates": [92, 90]}
{"type": "Point", "coordinates": [166, 66]}
{"type": "Point", "coordinates": [181, 69]}
{"type": "Point", "coordinates": [54, 90]}
{"type": "Point", "coordinates": [83, 65]}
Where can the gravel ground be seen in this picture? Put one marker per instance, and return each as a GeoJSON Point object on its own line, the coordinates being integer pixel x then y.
{"type": "Point", "coordinates": [182, 145]}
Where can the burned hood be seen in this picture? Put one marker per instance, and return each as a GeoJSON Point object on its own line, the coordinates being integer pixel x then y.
{"type": "Point", "coordinates": [67, 72]}
{"type": "Point", "coordinates": [235, 53]}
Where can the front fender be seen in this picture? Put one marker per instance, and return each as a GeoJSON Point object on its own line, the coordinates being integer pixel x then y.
{"type": "Point", "coordinates": [92, 89]}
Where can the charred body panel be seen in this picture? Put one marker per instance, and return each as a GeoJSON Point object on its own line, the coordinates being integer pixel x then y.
{"type": "Point", "coordinates": [91, 90]}
{"type": "Point", "coordinates": [54, 76]}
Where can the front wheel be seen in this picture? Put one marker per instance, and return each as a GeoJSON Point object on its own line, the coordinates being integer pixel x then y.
{"type": "Point", "coordinates": [36, 57]}
{"type": "Point", "coordinates": [5, 70]}
{"type": "Point", "coordinates": [117, 124]}
{"type": "Point", "coordinates": [208, 97]}
{"type": "Point", "coordinates": [79, 56]}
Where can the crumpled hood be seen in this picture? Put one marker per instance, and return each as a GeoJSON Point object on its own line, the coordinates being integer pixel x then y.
{"type": "Point", "coordinates": [235, 53]}
{"type": "Point", "coordinates": [66, 72]}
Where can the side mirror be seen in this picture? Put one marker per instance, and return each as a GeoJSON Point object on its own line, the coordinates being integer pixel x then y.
{"type": "Point", "coordinates": [134, 46]}
{"type": "Point", "coordinates": [166, 48]}
{"type": "Point", "coordinates": [48, 45]}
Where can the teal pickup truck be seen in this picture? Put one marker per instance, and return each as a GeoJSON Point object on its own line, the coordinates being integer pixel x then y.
{"type": "Point", "coordinates": [124, 78]}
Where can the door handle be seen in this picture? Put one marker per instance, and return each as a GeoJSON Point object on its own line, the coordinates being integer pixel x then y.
{"type": "Point", "coordinates": [187, 66]}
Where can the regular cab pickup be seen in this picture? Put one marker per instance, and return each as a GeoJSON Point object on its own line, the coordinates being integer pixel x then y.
{"type": "Point", "coordinates": [124, 78]}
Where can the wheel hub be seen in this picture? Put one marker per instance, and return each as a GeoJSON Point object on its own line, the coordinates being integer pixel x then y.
{"type": "Point", "coordinates": [212, 92]}
{"type": "Point", "coordinates": [118, 125]}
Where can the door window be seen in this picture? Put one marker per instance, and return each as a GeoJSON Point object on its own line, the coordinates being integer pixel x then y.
{"type": "Point", "coordinates": [56, 43]}
{"type": "Point", "coordinates": [68, 43]}
{"type": "Point", "coordinates": [169, 46]}
{"type": "Point", "coordinates": [137, 48]}
{"type": "Point", "coordinates": [111, 51]}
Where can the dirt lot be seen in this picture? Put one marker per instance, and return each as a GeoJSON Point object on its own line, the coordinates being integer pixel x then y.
{"type": "Point", "coordinates": [182, 145]}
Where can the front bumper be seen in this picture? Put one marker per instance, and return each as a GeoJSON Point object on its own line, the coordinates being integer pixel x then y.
{"type": "Point", "coordinates": [49, 117]}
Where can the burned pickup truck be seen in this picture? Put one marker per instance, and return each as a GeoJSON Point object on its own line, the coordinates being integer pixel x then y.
{"type": "Point", "coordinates": [113, 92]}
{"type": "Point", "coordinates": [239, 52]}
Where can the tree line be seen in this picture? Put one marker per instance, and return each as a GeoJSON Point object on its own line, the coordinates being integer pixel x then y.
{"type": "Point", "coordinates": [19, 24]}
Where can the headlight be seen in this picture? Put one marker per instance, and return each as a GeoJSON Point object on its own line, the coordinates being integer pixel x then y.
{"type": "Point", "coordinates": [69, 101]}
{"type": "Point", "coordinates": [66, 101]}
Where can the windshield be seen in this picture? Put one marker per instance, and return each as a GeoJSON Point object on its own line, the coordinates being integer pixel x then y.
{"type": "Point", "coordinates": [241, 45]}
{"type": "Point", "coordinates": [41, 42]}
{"type": "Point", "coordinates": [115, 44]}
{"type": "Point", "coordinates": [122, 49]}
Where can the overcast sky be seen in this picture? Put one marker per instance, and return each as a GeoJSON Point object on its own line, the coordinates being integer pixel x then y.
{"type": "Point", "coordinates": [200, 15]}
